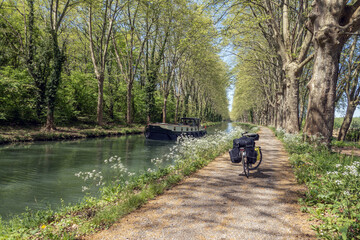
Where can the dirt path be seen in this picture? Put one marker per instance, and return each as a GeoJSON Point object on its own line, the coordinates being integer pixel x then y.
{"type": "Point", "coordinates": [218, 203]}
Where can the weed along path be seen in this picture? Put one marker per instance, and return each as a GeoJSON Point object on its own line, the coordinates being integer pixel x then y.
{"type": "Point", "coordinates": [219, 202]}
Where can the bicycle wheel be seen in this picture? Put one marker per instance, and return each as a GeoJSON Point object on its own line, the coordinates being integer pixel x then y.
{"type": "Point", "coordinates": [245, 165]}
{"type": "Point", "coordinates": [258, 160]}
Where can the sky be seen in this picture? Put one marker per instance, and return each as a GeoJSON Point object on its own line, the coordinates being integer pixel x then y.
{"type": "Point", "coordinates": [227, 56]}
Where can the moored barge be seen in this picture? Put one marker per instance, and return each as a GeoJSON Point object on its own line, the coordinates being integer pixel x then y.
{"type": "Point", "coordinates": [165, 131]}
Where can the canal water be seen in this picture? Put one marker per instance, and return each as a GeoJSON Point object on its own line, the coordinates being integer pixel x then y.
{"type": "Point", "coordinates": [42, 174]}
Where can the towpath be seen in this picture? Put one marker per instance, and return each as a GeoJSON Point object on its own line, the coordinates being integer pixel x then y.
{"type": "Point", "coordinates": [219, 202]}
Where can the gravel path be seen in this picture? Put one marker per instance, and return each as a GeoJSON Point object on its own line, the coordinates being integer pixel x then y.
{"type": "Point", "coordinates": [219, 202]}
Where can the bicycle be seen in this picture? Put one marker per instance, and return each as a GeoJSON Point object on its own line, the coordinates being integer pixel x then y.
{"type": "Point", "coordinates": [244, 151]}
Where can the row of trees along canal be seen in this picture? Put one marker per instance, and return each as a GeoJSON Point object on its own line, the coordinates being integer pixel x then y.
{"type": "Point", "coordinates": [296, 61]}
{"type": "Point", "coordinates": [109, 61]}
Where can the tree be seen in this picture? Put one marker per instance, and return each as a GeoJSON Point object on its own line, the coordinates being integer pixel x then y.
{"type": "Point", "coordinates": [132, 38]}
{"type": "Point", "coordinates": [105, 16]}
{"type": "Point", "coordinates": [349, 82]}
{"type": "Point", "coordinates": [292, 43]}
{"type": "Point", "coordinates": [332, 23]}
{"type": "Point", "coordinates": [27, 41]}
{"type": "Point", "coordinates": [57, 13]}
{"type": "Point", "coordinates": [282, 25]}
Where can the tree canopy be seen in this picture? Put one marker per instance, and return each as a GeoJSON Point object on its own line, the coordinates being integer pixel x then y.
{"type": "Point", "coordinates": [109, 61]}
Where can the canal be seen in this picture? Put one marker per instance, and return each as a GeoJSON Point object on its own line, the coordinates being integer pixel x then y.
{"type": "Point", "coordinates": [39, 175]}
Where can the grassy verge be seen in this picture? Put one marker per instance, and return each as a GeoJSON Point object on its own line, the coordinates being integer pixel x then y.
{"type": "Point", "coordinates": [11, 134]}
{"type": "Point", "coordinates": [341, 144]}
{"type": "Point", "coordinates": [333, 196]}
{"type": "Point", "coordinates": [121, 196]}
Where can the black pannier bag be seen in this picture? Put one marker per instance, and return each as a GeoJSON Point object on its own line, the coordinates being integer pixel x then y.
{"type": "Point", "coordinates": [251, 154]}
{"type": "Point", "coordinates": [243, 142]}
{"type": "Point", "coordinates": [234, 155]}
{"type": "Point", "coordinates": [247, 142]}
{"type": "Point", "coordinates": [254, 136]}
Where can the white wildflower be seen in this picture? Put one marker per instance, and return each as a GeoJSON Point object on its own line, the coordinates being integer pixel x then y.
{"type": "Point", "coordinates": [338, 182]}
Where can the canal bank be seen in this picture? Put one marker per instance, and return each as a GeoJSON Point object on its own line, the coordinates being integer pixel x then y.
{"type": "Point", "coordinates": [18, 134]}
{"type": "Point", "coordinates": [30, 134]}
{"type": "Point", "coordinates": [124, 196]}
{"type": "Point", "coordinates": [40, 174]}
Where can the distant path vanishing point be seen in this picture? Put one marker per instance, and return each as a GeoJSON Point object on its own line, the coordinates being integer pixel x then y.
{"type": "Point", "coordinates": [218, 203]}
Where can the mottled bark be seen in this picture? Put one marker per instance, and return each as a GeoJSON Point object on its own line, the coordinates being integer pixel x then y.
{"type": "Point", "coordinates": [292, 99]}
{"type": "Point", "coordinates": [332, 23]}
{"type": "Point", "coordinates": [322, 91]}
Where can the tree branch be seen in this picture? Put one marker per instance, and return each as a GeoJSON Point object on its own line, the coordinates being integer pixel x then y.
{"type": "Point", "coordinates": [308, 59]}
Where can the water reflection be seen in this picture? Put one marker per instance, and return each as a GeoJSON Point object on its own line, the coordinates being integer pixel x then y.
{"type": "Point", "coordinates": [40, 174]}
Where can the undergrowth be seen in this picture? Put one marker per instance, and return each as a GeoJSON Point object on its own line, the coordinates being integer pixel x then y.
{"type": "Point", "coordinates": [333, 186]}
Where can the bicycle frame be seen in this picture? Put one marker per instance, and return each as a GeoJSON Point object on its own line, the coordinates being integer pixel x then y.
{"type": "Point", "coordinates": [244, 161]}
{"type": "Point", "coordinates": [242, 152]}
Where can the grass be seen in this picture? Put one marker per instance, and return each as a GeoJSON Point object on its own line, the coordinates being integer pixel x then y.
{"type": "Point", "coordinates": [121, 196]}
{"type": "Point", "coordinates": [342, 144]}
{"type": "Point", "coordinates": [333, 184]}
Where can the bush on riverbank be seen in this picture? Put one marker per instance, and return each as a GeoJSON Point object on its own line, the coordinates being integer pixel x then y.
{"type": "Point", "coordinates": [333, 187]}
{"type": "Point", "coordinates": [122, 195]}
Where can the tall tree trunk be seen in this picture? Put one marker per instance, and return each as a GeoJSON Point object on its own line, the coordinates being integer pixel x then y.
{"type": "Point", "coordinates": [38, 68]}
{"type": "Point", "coordinates": [54, 82]}
{"type": "Point", "coordinates": [322, 91]}
{"type": "Point", "coordinates": [100, 102]}
{"type": "Point", "coordinates": [303, 108]}
{"type": "Point", "coordinates": [292, 99]}
{"type": "Point", "coordinates": [177, 109]}
{"type": "Point", "coordinates": [128, 103]}
{"type": "Point", "coordinates": [279, 111]}
{"type": "Point", "coordinates": [351, 107]}
{"type": "Point", "coordinates": [332, 22]}
{"type": "Point", "coordinates": [164, 109]}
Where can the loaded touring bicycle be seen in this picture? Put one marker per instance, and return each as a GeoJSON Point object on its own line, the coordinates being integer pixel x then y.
{"type": "Point", "coordinates": [244, 151]}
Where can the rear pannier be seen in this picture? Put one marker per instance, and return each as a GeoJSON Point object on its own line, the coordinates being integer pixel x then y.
{"type": "Point", "coordinates": [234, 155]}
{"type": "Point", "coordinates": [251, 154]}
{"type": "Point", "coordinates": [247, 142]}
